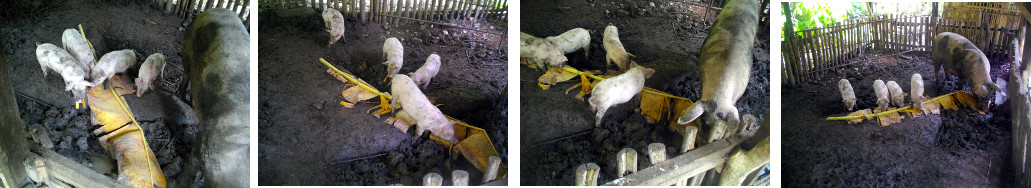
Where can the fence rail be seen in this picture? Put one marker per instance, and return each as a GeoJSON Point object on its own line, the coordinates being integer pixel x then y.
{"type": "Point", "coordinates": [189, 8]}
{"type": "Point", "coordinates": [815, 50]}
{"type": "Point", "coordinates": [391, 11]}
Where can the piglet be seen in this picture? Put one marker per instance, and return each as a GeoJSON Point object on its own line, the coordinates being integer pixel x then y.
{"type": "Point", "coordinates": [540, 51]}
{"type": "Point", "coordinates": [57, 59]}
{"type": "Point", "coordinates": [572, 40]}
{"type": "Point", "coordinates": [614, 51]}
{"type": "Point", "coordinates": [882, 94]}
{"type": "Point", "coordinates": [334, 24]}
{"type": "Point", "coordinates": [393, 51]}
{"type": "Point", "coordinates": [848, 96]}
{"type": "Point", "coordinates": [427, 71]}
{"type": "Point", "coordinates": [916, 92]}
{"type": "Point", "coordinates": [152, 68]}
{"type": "Point", "coordinates": [112, 63]}
{"type": "Point", "coordinates": [427, 117]}
{"type": "Point", "coordinates": [897, 95]}
{"type": "Point", "coordinates": [77, 46]}
{"type": "Point", "coordinates": [962, 58]}
{"type": "Point", "coordinates": [617, 90]}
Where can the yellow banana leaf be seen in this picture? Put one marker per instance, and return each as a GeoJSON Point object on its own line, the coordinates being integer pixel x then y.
{"type": "Point", "coordinates": [859, 113]}
{"type": "Point", "coordinates": [137, 165]}
{"type": "Point", "coordinates": [932, 106]}
{"type": "Point", "coordinates": [356, 94]}
{"type": "Point", "coordinates": [479, 148]}
{"type": "Point", "coordinates": [654, 106]}
{"type": "Point", "coordinates": [553, 76]}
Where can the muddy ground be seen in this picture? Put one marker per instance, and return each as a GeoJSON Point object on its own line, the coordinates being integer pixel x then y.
{"type": "Point", "coordinates": [952, 149]}
{"type": "Point", "coordinates": [558, 131]}
{"type": "Point", "coordinates": [169, 123]}
{"type": "Point", "coordinates": [307, 138]}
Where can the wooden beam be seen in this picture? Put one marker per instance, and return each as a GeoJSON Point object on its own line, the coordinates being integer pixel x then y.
{"type": "Point", "coordinates": [689, 164]}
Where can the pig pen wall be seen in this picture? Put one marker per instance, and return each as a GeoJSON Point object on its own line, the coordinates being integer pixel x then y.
{"type": "Point", "coordinates": [394, 11]}
{"type": "Point", "coordinates": [808, 53]}
{"type": "Point", "coordinates": [190, 8]}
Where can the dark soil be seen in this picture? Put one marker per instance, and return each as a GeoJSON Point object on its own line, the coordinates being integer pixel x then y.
{"type": "Point", "coordinates": [307, 138]}
{"type": "Point", "coordinates": [169, 123]}
{"type": "Point", "coordinates": [952, 149]}
{"type": "Point", "coordinates": [558, 131]}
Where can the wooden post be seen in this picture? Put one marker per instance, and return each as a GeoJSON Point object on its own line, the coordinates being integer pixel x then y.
{"type": "Point", "coordinates": [587, 174]}
{"type": "Point", "coordinates": [432, 179]}
{"type": "Point", "coordinates": [656, 152]}
{"type": "Point", "coordinates": [626, 162]}
{"type": "Point", "coordinates": [460, 178]}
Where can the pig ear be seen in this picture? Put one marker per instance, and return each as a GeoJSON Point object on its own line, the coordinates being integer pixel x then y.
{"type": "Point", "coordinates": [648, 72]}
{"type": "Point", "coordinates": [691, 113]}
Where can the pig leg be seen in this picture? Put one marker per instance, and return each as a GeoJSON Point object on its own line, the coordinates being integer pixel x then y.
{"type": "Point", "coordinates": [427, 83]}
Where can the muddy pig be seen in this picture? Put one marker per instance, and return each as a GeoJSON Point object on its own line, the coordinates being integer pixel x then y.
{"type": "Point", "coordinates": [881, 91]}
{"type": "Point", "coordinates": [60, 61]}
{"type": "Point", "coordinates": [393, 51]}
{"type": "Point", "coordinates": [848, 96]}
{"type": "Point", "coordinates": [112, 63]}
{"type": "Point", "coordinates": [614, 51]}
{"type": "Point", "coordinates": [572, 40]}
{"type": "Point", "coordinates": [916, 92]}
{"type": "Point", "coordinates": [962, 58]}
{"type": "Point", "coordinates": [618, 90]}
{"type": "Point", "coordinates": [725, 66]}
{"type": "Point", "coordinates": [334, 24]}
{"type": "Point", "coordinates": [216, 55]}
{"type": "Point", "coordinates": [152, 68]}
{"type": "Point", "coordinates": [77, 46]}
{"type": "Point", "coordinates": [897, 95]}
{"type": "Point", "coordinates": [540, 51]}
{"type": "Point", "coordinates": [417, 106]}
{"type": "Point", "coordinates": [427, 71]}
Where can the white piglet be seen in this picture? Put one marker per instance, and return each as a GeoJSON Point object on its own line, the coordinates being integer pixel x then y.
{"type": "Point", "coordinates": [416, 106]}
{"type": "Point", "coordinates": [77, 46]}
{"type": "Point", "coordinates": [540, 51]}
{"type": "Point", "coordinates": [112, 63]}
{"type": "Point", "coordinates": [882, 94]}
{"type": "Point", "coordinates": [334, 24]}
{"type": "Point", "coordinates": [152, 68]}
{"type": "Point", "coordinates": [618, 90]}
{"type": "Point", "coordinates": [60, 61]}
{"type": "Point", "coordinates": [572, 40]}
{"type": "Point", "coordinates": [916, 92]}
{"type": "Point", "coordinates": [614, 51]}
{"type": "Point", "coordinates": [427, 71]}
{"type": "Point", "coordinates": [394, 53]}
{"type": "Point", "coordinates": [848, 96]}
{"type": "Point", "coordinates": [896, 93]}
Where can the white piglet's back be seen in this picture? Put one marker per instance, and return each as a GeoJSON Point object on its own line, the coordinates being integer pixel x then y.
{"type": "Point", "coordinates": [881, 91]}
{"type": "Point", "coordinates": [848, 96]}
{"type": "Point", "coordinates": [428, 70]}
{"type": "Point", "coordinates": [393, 52]}
{"type": "Point", "coordinates": [572, 40]}
{"type": "Point", "coordinates": [112, 63]}
{"type": "Point", "coordinates": [617, 90]}
{"type": "Point", "coordinates": [151, 69]}
{"type": "Point", "coordinates": [78, 48]}
{"type": "Point", "coordinates": [418, 107]}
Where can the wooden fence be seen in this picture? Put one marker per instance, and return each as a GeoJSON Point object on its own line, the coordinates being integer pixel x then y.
{"type": "Point", "coordinates": [395, 11]}
{"type": "Point", "coordinates": [189, 8]}
{"type": "Point", "coordinates": [815, 50]}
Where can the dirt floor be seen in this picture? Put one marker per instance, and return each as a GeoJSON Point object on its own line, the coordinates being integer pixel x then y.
{"type": "Point", "coordinates": [169, 123]}
{"type": "Point", "coordinates": [952, 149]}
{"type": "Point", "coordinates": [307, 138]}
{"type": "Point", "coordinates": [558, 131]}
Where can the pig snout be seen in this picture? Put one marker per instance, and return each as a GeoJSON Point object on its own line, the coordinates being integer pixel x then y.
{"type": "Point", "coordinates": [848, 96]}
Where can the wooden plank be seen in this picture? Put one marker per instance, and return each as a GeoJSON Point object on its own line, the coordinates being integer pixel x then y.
{"type": "Point", "coordinates": [691, 163]}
